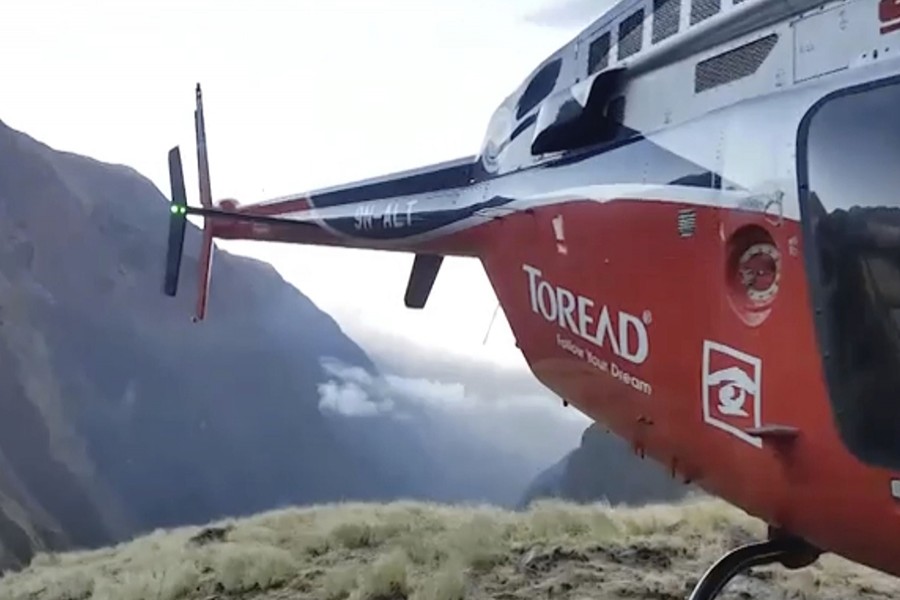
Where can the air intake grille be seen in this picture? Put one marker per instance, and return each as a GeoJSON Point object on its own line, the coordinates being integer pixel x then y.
{"type": "Point", "coordinates": [598, 54]}
{"type": "Point", "coordinates": [631, 33]}
{"type": "Point", "coordinates": [734, 64]}
{"type": "Point", "coordinates": [704, 9]}
{"type": "Point", "coordinates": [666, 15]}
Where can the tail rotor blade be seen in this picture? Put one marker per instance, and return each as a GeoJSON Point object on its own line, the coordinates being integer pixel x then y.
{"type": "Point", "coordinates": [202, 154]}
{"type": "Point", "coordinates": [206, 250]}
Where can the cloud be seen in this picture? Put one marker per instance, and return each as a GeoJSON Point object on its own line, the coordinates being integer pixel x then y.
{"type": "Point", "coordinates": [350, 400]}
{"type": "Point", "coordinates": [506, 409]}
{"type": "Point", "coordinates": [354, 392]}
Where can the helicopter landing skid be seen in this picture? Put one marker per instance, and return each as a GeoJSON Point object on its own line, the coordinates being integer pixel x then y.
{"type": "Point", "coordinates": [791, 552]}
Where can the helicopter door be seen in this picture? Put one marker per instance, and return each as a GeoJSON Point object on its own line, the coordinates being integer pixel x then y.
{"type": "Point", "coordinates": [848, 157]}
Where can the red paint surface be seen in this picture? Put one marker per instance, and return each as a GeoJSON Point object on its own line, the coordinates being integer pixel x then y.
{"type": "Point", "coordinates": [629, 256]}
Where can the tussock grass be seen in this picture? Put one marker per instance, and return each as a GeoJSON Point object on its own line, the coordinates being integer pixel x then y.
{"type": "Point", "coordinates": [420, 551]}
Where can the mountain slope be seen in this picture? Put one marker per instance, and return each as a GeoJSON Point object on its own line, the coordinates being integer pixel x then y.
{"type": "Point", "coordinates": [605, 468]}
{"type": "Point", "coordinates": [118, 415]}
{"type": "Point", "coordinates": [432, 552]}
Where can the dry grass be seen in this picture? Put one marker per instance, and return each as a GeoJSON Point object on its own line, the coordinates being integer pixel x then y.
{"type": "Point", "coordinates": [432, 552]}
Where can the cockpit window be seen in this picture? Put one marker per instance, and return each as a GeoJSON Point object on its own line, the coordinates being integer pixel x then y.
{"type": "Point", "coordinates": [850, 189]}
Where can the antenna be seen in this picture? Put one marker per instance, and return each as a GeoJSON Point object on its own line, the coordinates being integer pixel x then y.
{"type": "Point", "coordinates": [490, 325]}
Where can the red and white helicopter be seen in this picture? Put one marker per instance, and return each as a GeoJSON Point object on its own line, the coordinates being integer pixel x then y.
{"type": "Point", "coordinates": [689, 214]}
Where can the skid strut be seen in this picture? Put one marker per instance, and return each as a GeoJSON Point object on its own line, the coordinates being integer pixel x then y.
{"type": "Point", "coordinates": [791, 552]}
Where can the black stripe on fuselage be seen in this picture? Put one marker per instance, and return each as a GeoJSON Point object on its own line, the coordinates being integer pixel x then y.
{"type": "Point", "coordinates": [634, 161]}
{"type": "Point", "coordinates": [450, 177]}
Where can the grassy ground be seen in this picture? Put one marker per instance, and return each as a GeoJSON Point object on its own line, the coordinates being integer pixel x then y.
{"type": "Point", "coordinates": [431, 552]}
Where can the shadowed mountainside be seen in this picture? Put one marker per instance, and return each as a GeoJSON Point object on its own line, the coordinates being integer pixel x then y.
{"type": "Point", "coordinates": [431, 552]}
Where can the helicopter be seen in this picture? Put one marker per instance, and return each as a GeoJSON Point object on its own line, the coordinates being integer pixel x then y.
{"type": "Point", "coordinates": [689, 215]}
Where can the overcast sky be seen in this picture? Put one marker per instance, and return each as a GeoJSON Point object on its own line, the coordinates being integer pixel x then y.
{"type": "Point", "coordinates": [298, 94]}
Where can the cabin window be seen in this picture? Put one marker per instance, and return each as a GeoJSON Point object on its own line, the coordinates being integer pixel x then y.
{"type": "Point", "coordinates": [848, 151]}
{"type": "Point", "coordinates": [666, 15]}
{"type": "Point", "coordinates": [631, 34]}
{"type": "Point", "coordinates": [598, 54]}
{"type": "Point", "coordinates": [539, 87]}
{"type": "Point", "coordinates": [704, 9]}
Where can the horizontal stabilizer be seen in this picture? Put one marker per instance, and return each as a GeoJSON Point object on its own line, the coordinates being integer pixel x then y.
{"type": "Point", "coordinates": [421, 279]}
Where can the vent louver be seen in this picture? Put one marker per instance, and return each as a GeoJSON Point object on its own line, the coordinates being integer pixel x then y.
{"type": "Point", "coordinates": [666, 14]}
{"type": "Point", "coordinates": [733, 65]}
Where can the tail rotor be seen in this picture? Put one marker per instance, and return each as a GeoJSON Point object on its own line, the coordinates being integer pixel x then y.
{"type": "Point", "coordinates": [179, 211]}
